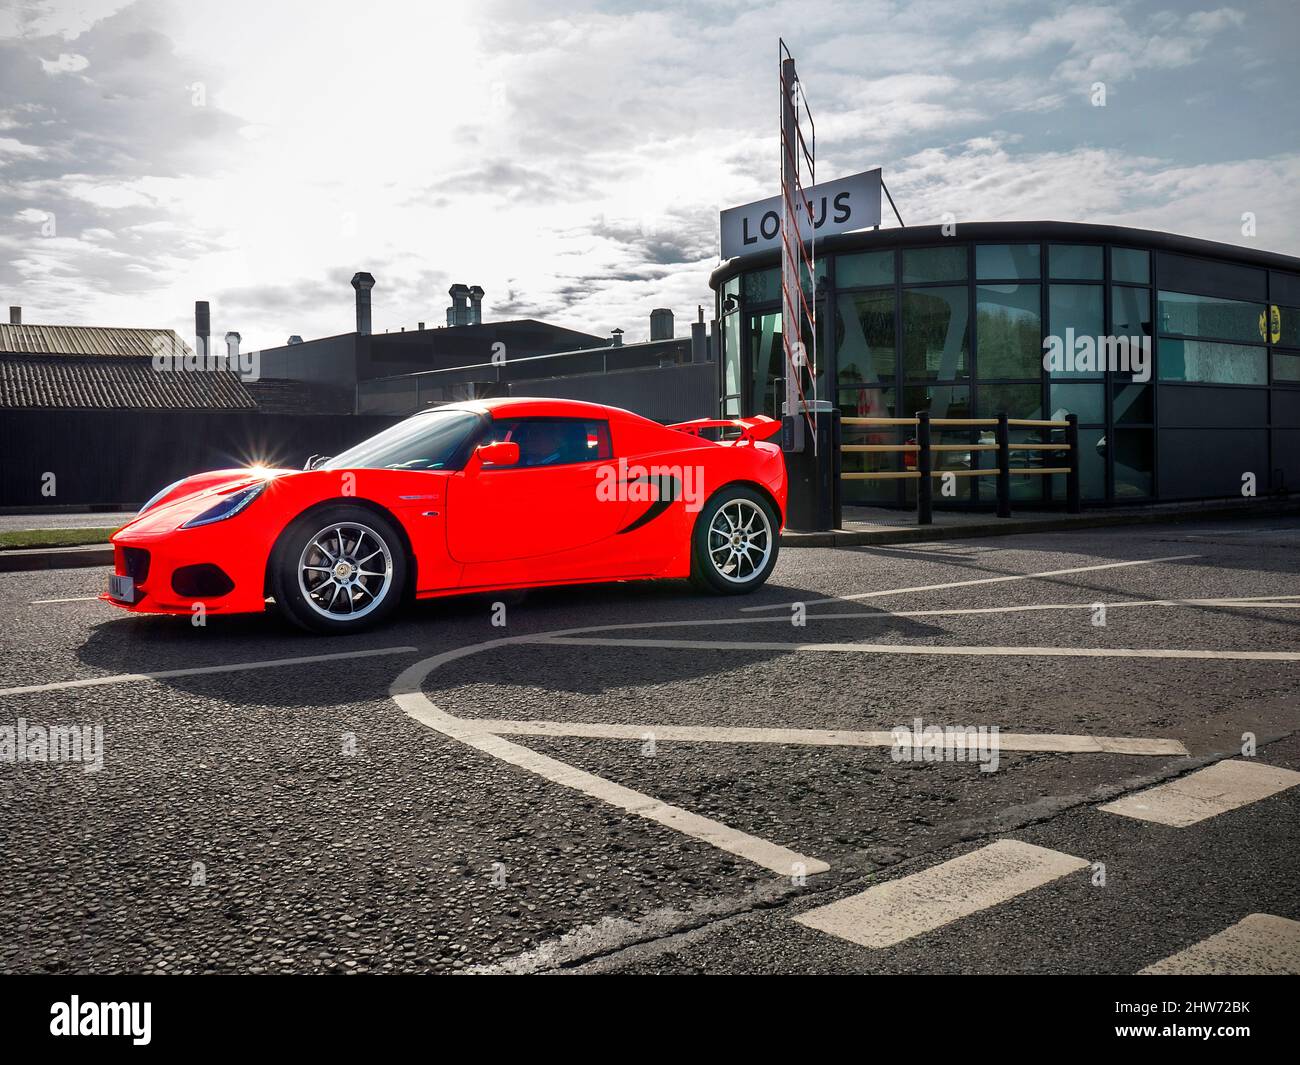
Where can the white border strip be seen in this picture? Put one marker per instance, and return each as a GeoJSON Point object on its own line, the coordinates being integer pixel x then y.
{"type": "Point", "coordinates": [1006, 741]}
{"type": "Point", "coordinates": [968, 584]}
{"type": "Point", "coordinates": [229, 667]}
{"type": "Point", "coordinates": [928, 649]}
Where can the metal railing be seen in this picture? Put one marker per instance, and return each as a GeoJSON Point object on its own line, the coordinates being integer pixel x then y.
{"type": "Point", "coordinates": [924, 449]}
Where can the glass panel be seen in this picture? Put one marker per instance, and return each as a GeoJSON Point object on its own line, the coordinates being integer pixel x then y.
{"type": "Point", "coordinates": [861, 271]}
{"type": "Point", "coordinates": [1130, 311]}
{"type": "Point", "coordinates": [1286, 367]}
{"type": "Point", "coordinates": [1092, 467]}
{"type": "Point", "coordinates": [871, 403]}
{"type": "Point", "coordinates": [866, 402]}
{"type": "Point", "coordinates": [864, 332]}
{"type": "Point", "coordinates": [1224, 364]}
{"type": "Point", "coordinates": [1009, 331]}
{"type": "Point", "coordinates": [731, 366]}
{"type": "Point", "coordinates": [763, 286]}
{"type": "Point", "coordinates": [1132, 405]}
{"type": "Point", "coordinates": [731, 355]}
{"type": "Point", "coordinates": [1134, 460]}
{"type": "Point", "coordinates": [942, 401]}
{"type": "Point", "coordinates": [1085, 400]}
{"type": "Point", "coordinates": [767, 359]}
{"type": "Point", "coordinates": [1076, 307]}
{"type": "Point", "coordinates": [1284, 326]}
{"type": "Point", "coordinates": [1075, 262]}
{"type": "Point", "coordinates": [1130, 265]}
{"type": "Point", "coordinates": [1209, 316]}
{"type": "Point", "coordinates": [936, 333]}
{"type": "Point", "coordinates": [1017, 401]}
{"type": "Point", "coordinates": [996, 261]}
{"type": "Point", "coordinates": [934, 264]}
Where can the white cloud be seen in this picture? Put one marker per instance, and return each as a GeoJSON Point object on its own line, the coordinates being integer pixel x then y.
{"type": "Point", "coordinates": [66, 63]}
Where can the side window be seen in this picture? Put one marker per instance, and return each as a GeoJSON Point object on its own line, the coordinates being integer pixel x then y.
{"type": "Point", "coordinates": [555, 441]}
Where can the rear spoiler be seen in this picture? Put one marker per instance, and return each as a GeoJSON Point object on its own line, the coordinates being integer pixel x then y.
{"type": "Point", "coordinates": [759, 427]}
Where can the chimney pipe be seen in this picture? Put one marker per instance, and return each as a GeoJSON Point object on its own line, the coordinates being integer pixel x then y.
{"type": "Point", "coordinates": [363, 283]}
{"type": "Point", "coordinates": [476, 305]}
{"type": "Point", "coordinates": [661, 324]}
{"type": "Point", "coordinates": [232, 348]}
{"type": "Point", "coordinates": [15, 316]}
{"type": "Point", "coordinates": [699, 339]}
{"type": "Point", "coordinates": [617, 341]}
{"type": "Point", "coordinates": [202, 329]}
{"type": "Point", "coordinates": [458, 312]}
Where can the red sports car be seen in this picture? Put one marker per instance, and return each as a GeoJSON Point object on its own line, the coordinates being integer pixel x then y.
{"type": "Point", "coordinates": [468, 497]}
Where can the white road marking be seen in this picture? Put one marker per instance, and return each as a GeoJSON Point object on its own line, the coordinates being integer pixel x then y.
{"type": "Point", "coordinates": [970, 583]}
{"type": "Point", "coordinates": [70, 599]}
{"type": "Point", "coordinates": [1206, 793]}
{"type": "Point", "coordinates": [406, 691]}
{"type": "Point", "coordinates": [897, 910]}
{"type": "Point", "coordinates": [228, 667]}
{"type": "Point", "coordinates": [1258, 945]}
{"type": "Point", "coordinates": [928, 649]}
{"type": "Point", "coordinates": [1007, 741]}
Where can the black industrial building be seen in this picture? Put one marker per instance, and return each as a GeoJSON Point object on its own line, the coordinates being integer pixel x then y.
{"type": "Point", "coordinates": [918, 319]}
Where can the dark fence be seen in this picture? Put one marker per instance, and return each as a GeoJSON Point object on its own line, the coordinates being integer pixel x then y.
{"type": "Point", "coordinates": [121, 458]}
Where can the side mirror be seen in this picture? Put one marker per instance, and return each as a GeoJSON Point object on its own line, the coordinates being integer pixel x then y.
{"type": "Point", "coordinates": [499, 453]}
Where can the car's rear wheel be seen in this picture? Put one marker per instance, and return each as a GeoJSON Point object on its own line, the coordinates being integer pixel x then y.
{"type": "Point", "coordinates": [340, 569]}
{"type": "Point", "coordinates": [735, 541]}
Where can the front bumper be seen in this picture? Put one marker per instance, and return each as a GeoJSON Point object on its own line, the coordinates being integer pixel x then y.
{"type": "Point", "coordinates": [174, 571]}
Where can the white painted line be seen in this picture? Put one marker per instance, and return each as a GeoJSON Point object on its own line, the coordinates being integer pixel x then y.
{"type": "Point", "coordinates": [929, 649]}
{"type": "Point", "coordinates": [229, 667]}
{"type": "Point", "coordinates": [897, 910]}
{"type": "Point", "coordinates": [1258, 945]}
{"type": "Point", "coordinates": [406, 691]}
{"type": "Point", "coordinates": [970, 583]}
{"type": "Point", "coordinates": [1208, 792]}
{"type": "Point", "coordinates": [1006, 741]}
{"type": "Point", "coordinates": [70, 599]}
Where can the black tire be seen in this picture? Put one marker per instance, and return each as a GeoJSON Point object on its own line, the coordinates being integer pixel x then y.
{"type": "Point", "coordinates": [725, 572]}
{"type": "Point", "coordinates": [299, 558]}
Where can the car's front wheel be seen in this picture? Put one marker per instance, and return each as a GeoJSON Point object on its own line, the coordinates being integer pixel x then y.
{"type": "Point", "coordinates": [339, 569]}
{"type": "Point", "coordinates": [735, 541]}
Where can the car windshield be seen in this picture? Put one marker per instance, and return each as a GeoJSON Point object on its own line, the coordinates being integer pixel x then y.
{"type": "Point", "coordinates": [430, 441]}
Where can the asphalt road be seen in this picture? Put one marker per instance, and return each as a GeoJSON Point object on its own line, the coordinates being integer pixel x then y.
{"type": "Point", "coordinates": [400, 808]}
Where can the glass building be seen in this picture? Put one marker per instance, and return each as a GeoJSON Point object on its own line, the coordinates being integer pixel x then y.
{"type": "Point", "coordinates": [911, 320]}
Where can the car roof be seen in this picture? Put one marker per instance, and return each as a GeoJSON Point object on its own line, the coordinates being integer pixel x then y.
{"type": "Point", "coordinates": [533, 407]}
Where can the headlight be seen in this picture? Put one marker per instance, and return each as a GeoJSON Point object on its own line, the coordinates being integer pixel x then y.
{"type": "Point", "coordinates": [153, 500]}
{"type": "Point", "coordinates": [228, 507]}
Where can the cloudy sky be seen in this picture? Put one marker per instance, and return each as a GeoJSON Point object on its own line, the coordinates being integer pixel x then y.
{"type": "Point", "coordinates": [572, 157]}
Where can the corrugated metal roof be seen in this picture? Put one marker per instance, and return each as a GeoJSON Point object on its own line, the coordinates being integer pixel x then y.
{"type": "Point", "coordinates": [88, 340]}
{"type": "Point", "coordinates": [65, 382]}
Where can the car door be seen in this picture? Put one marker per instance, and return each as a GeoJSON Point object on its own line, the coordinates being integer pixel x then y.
{"type": "Point", "coordinates": [544, 513]}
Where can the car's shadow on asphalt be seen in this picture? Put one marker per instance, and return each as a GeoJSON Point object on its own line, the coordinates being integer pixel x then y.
{"type": "Point", "coordinates": [159, 644]}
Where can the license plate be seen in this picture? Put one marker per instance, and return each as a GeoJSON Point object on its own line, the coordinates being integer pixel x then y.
{"type": "Point", "coordinates": [122, 588]}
